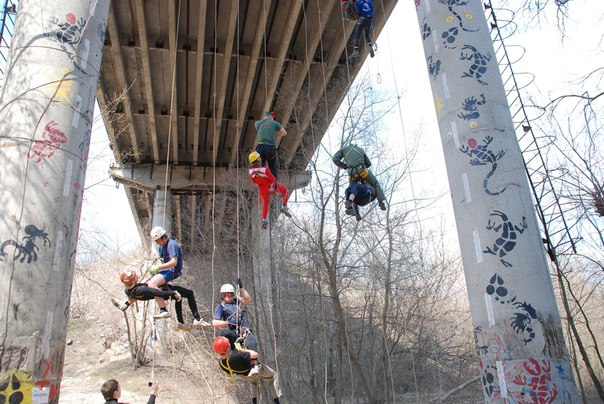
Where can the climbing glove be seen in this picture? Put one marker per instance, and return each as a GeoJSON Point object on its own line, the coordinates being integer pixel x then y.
{"type": "Point", "coordinates": [239, 283]}
{"type": "Point", "coordinates": [154, 269]}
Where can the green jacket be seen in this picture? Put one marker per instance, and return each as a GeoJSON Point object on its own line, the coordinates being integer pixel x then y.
{"type": "Point", "coordinates": [350, 156]}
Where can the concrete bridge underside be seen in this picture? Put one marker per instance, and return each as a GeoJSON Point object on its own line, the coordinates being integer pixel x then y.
{"type": "Point", "coordinates": [183, 82]}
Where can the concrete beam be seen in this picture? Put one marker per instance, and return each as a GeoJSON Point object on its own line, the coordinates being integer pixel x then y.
{"type": "Point", "coordinates": [194, 178]}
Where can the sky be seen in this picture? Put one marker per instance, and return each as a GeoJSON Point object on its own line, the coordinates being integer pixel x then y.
{"type": "Point", "coordinates": [556, 61]}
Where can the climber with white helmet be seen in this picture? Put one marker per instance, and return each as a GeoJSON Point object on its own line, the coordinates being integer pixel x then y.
{"type": "Point", "coordinates": [171, 268]}
{"type": "Point", "coordinates": [232, 318]}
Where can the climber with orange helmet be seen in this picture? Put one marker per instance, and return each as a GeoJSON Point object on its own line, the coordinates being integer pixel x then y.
{"type": "Point", "coordinates": [270, 133]}
{"type": "Point", "coordinates": [267, 185]}
{"type": "Point", "coordinates": [137, 289]}
{"type": "Point", "coordinates": [171, 255]}
{"type": "Point", "coordinates": [230, 316]}
{"type": "Point", "coordinates": [244, 363]}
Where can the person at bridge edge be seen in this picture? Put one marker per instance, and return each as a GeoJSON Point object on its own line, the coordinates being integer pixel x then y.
{"type": "Point", "coordinates": [244, 363]}
{"type": "Point", "coordinates": [171, 268]}
{"type": "Point", "coordinates": [269, 132]}
{"type": "Point", "coordinates": [267, 185]}
{"type": "Point", "coordinates": [364, 9]}
{"type": "Point", "coordinates": [348, 10]}
{"type": "Point", "coordinates": [137, 289]}
{"type": "Point", "coordinates": [112, 392]}
{"type": "Point", "coordinates": [230, 316]}
{"type": "Point", "coordinates": [358, 194]}
{"type": "Point", "coordinates": [353, 159]}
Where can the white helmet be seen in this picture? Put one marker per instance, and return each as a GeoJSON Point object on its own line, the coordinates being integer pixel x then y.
{"type": "Point", "coordinates": [157, 232]}
{"type": "Point", "coordinates": [227, 288]}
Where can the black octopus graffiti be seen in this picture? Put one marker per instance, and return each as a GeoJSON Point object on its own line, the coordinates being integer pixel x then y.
{"type": "Point", "coordinates": [522, 319]}
{"type": "Point", "coordinates": [479, 63]}
{"type": "Point", "coordinates": [52, 139]}
{"type": "Point", "coordinates": [27, 249]}
{"type": "Point", "coordinates": [481, 155]}
{"type": "Point", "coordinates": [508, 236]}
{"type": "Point", "coordinates": [470, 106]}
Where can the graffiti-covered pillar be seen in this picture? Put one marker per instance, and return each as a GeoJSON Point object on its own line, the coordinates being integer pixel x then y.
{"type": "Point", "coordinates": [46, 107]}
{"type": "Point", "coordinates": [517, 327]}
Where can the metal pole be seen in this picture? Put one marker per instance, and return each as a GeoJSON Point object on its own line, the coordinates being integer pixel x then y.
{"type": "Point", "coordinates": [517, 329]}
{"type": "Point", "coordinates": [46, 116]}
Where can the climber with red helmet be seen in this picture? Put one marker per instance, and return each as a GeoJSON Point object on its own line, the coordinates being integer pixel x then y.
{"type": "Point", "coordinates": [244, 363]}
{"type": "Point", "coordinates": [171, 268]}
{"type": "Point", "coordinates": [140, 290]}
{"type": "Point", "coordinates": [231, 318]}
{"type": "Point", "coordinates": [270, 133]}
{"type": "Point", "coordinates": [267, 185]}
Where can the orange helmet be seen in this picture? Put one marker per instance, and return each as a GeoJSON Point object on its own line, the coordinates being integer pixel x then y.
{"type": "Point", "coordinates": [221, 345]}
{"type": "Point", "coordinates": [128, 276]}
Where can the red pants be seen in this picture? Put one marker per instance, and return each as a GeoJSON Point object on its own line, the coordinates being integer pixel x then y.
{"type": "Point", "coordinates": [264, 194]}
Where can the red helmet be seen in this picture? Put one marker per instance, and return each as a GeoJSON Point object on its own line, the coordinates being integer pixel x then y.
{"type": "Point", "coordinates": [128, 276]}
{"type": "Point", "coordinates": [221, 345]}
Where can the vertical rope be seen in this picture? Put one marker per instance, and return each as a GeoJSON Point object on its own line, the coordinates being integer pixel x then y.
{"type": "Point", "coordinates": [171, 109]}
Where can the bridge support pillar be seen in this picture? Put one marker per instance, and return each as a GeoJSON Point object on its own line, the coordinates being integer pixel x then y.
{"type": "Point", "coordinates": [162, 211]}
{"type": "Point", "coordinates": [517, 328]}
{"type": "Point", "coordinates": [46, 110]}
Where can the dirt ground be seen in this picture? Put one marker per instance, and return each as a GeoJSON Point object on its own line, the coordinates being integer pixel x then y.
{"type": "Point", "coordinates": [98, 349]}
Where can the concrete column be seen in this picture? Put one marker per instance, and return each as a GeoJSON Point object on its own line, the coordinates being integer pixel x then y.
{"type": "Point", "coordinates": [46, 109]}
{"type": "Point", "coordinates": [517, 327]}
{"type": "Point", "coordinates": [162, 212]}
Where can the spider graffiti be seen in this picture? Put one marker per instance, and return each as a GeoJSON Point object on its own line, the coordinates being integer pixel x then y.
{"type": "Point", "coordinates": [52, 139]}
{"type": "Point", "coordinates": [479, 63]}
{"type": "Point", "coordinates": [480, 156]}
{"type": "Point", "coordinates": [508, 235]}
{"type": "Point", "coordinates": [28, 248]}
{"type": "Point", "coordinates": [522, 318]}
{"type": "Point", "coordinates": [470, 106]}
{"type": "Point", "coordinates": [538, 385]}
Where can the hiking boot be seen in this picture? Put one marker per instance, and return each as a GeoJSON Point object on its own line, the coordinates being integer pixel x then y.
{"type": "Point", "coordinates": [184, 327]}
{"type": "Point", "coordinates": [123, 306]}
{"type": "Point", "coordinates": [264, 224]}
{"type": "Point", "coordinates": [371, 52]}
{"type": "Point", "coordinates": [382, 205]}
{"type": "Point", "coordinates": [161, 314]}
{"type": "Point", "coordinates": [357, 214]}
{"type": "Point", "coordinates": [177, 296]}
{"type": "Point", "coordinates": [254, 370]}
{"type": "Point", "coordinates": [349, 210]}
{"type": "Point", "coordinates": [354, 54]}
{"type": "Point", "coordinates": [285, 211]}
{"type": "Point", "coordinates": [200, 323]}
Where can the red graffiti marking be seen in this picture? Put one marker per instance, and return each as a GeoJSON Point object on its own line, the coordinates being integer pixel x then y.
{"type": "Point", "coordinates": [537, 382]}
{"type": "Point", "coordinates": [52, 139]}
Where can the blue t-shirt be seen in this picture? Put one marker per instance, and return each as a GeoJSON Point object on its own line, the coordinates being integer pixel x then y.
{"type": "Point", "coordinates": [172, 249]}
{"type": "Point", "coordinates": [364, 8]}
{"type": "Point", "coordinates": [228, 312]}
